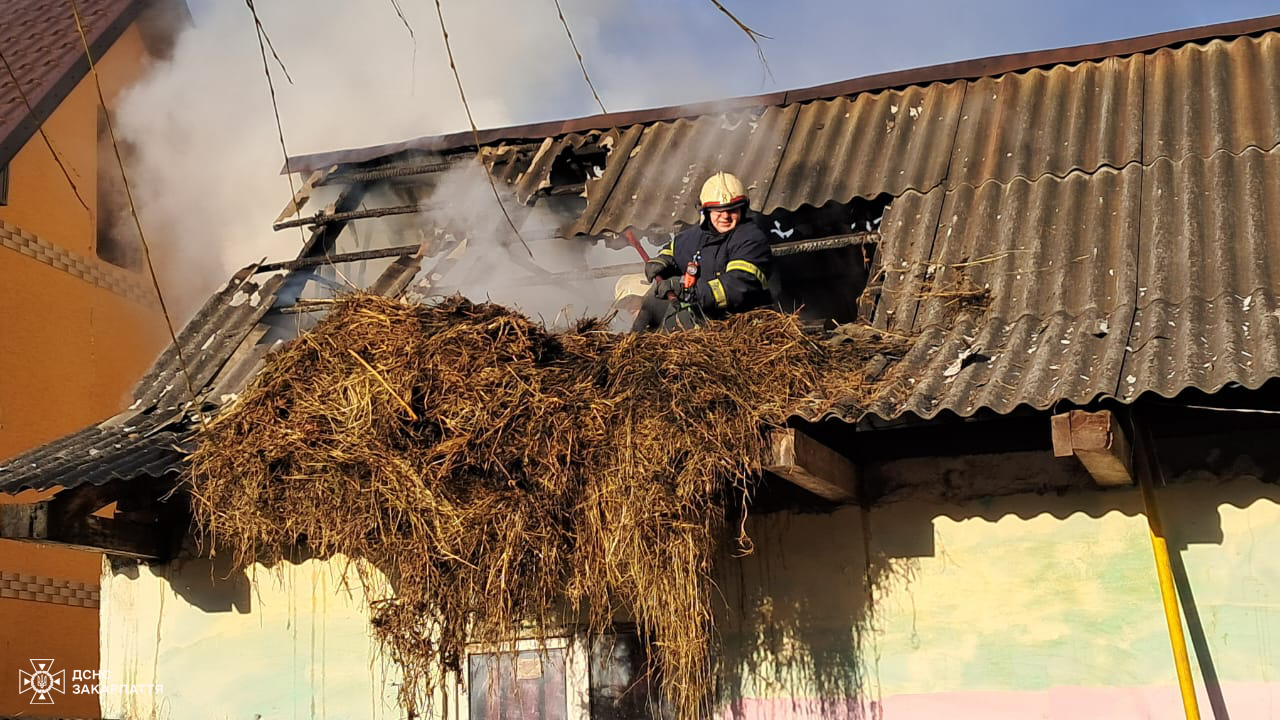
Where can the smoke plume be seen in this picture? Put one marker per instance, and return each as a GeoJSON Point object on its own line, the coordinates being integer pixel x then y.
{"type": "Point", "coordinates": [208, 156]}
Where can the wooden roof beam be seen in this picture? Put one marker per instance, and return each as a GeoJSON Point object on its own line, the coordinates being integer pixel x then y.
{"type": "Point", "coordinates": [1097, 439]}
{"type": "Point", "coordinates": [67, 519]}
{"type": "Point", "coordinates": [804, 461]}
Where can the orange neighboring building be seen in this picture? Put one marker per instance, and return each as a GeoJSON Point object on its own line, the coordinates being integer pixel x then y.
{"type": "Point", "coordinates": [79, 323]}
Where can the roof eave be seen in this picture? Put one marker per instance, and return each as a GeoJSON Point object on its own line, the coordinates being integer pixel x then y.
{"type": "Point", "coordinates": [44, 106]}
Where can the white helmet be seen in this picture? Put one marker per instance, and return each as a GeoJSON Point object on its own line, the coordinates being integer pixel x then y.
{"type": "Point", "coordinates": [722, 191]}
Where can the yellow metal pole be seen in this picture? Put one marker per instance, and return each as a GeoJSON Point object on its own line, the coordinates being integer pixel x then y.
{"type": "Point", "coordinates": [1169, 594]}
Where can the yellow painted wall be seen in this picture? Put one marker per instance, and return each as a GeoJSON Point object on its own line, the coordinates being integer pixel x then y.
{"type": "Point", "coordinates": [1017, 607]}
{"type": "Point", "coordinates": [292, 641]}
{"type": "Point", "coordinates": [70, 352]}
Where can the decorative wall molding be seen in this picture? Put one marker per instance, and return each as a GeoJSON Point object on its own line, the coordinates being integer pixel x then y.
{"type": "Point", "coordinates": [37, 588]}
{"type": "Point", "coordinates": [117, 280]}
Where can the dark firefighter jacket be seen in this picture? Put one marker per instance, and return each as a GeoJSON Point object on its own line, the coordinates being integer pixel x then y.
{"type": "Point", "coordinates": [733, 267]}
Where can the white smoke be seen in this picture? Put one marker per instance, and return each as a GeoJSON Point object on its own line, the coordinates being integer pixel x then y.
{"type": "Point", "coordinates": [206, 169]}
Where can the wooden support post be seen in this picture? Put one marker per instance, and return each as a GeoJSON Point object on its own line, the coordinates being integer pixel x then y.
{"type": "Point", "coordinates": [1100, 443]}
{"type": "Point", "coordinates": [802, 460]}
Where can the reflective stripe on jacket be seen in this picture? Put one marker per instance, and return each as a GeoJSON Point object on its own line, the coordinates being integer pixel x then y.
{"type": "Point", "coordinates": [733, 268]}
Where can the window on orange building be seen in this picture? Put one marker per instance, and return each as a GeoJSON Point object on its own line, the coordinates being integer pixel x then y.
{"type": "Point", "coordinates": [4, 184]}
{"type": "Point", "coordinates": [117, 235]}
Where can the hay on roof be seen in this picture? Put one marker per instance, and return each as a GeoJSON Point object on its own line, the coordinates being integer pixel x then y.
{"type": "Point", "coordinates": [506, 477]}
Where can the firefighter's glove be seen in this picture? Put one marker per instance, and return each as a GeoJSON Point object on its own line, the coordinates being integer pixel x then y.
{"type": "Point", "coordinates": [667, 288]}
{"type": "Point", "coordinates": [653, 269]}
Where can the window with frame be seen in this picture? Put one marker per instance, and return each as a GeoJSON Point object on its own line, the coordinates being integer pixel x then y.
{"type": "Point", "coordinates": [4, 184]}
{"type": "Point", "coordinates": [565, 678]}
{"type": "Point", "coordinates": [118, 241]}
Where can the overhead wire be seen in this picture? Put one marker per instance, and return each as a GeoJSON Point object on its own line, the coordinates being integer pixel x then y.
{"type": "Point", "coordinates": [133, 210]}
{"type": "Point", "coordinates": [752, 35]}
{"type": "Point", "coordinates": [400, 13]}
{"type": "Point", "coordinates": [262, 35]}
{"type": "Point", "coordinates": [475, 132]}
{"type": "Point", "coordinates": [578, 53]}
{"type": "Point", "coordinates": [413, 39]}
{"type": "Point", "coordinates": [40, 129]}
{"type": "Point", "coordinates": [264, 42]}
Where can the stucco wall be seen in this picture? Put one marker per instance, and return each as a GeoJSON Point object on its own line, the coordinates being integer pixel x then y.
{"type": "Point", "coordinates": [1027, 606]}
{"type": "Point", "coordinates": [288, 642]}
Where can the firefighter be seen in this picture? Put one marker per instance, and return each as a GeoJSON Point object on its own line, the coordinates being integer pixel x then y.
{"type": "Point", "coordinates": [707, 271]}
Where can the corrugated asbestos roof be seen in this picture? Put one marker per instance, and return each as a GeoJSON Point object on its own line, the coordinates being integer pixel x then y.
{"type": "Point", "coordinates": [1208, 276]}
{"type": "Point", "coordinates": [946, 72]}
{"type": "Point", "coordinates": [1120, 257]}
{"type": "Point", "coordinates": [1103, 229]}
{"type": "Point", "coordinates": [1050, 121]}
{"type": "Point", "coordinates": [1057, 259]}
{"type": "Point", "coordinates": [39, 40]}
{"type": "Point", "coordinates": [658, 186]}
{"type": "Point", "coordinates": [1221, 95]}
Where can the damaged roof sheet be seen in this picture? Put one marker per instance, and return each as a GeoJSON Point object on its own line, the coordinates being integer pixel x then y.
{"type": "Point", "coordinates": [39, 41]}
{"type": "Point", "coordinates": [1119, 220]}
{"type": "Point", "coordinates": [148, 438]}
{"type": "Point", "coordinates": [658, 186]}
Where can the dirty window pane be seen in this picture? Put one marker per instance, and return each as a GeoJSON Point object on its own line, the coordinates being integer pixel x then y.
{"type": "Point", "coordinates": [621, 689]}
{"type": "Point", "coordinates": [517, 686]}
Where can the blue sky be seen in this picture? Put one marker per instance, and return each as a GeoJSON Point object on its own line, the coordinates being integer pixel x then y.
{"type": "Point", "coordinates": [645, 53]}
{"type": "Point", "coordinates": [818, 41]}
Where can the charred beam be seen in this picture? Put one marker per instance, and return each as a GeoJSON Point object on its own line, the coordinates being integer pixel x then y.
{"type": "Point", "coordinates": [826, 243]}
{"type": "Point", "coordinates": [142, 527]}
{"type": "Point", "coordinates": [307, 262]}
{"type": "Point", "coordinates": [47, 523]}
{"type": "Point", "coordinates": [387, 173]}
{"type": "Point", "coordinates": [343, 217]}
{"type": "Point", "coordinates": [323, 238]}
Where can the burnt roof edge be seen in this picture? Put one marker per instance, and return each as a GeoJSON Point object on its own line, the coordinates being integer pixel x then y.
{"type": "Point", "coordinates": [960, 70]}
{"type": "Point", "coordinates": [26, 128]}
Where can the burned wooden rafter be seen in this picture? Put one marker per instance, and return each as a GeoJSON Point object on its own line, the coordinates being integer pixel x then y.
{"type": "Point", "coordinates": [825, 243]}
{"type": "Point", "coordinates": [143, 526]}
{"type": "Point", "coordinates": [388, 173]}
{"type": "Point", "coordinates": [323, 238]}
{"type": "Point", "coordinates": [308, 262]}
{"type": "Point", "coordinates": [1097, 439]}
{"type": "Point", "coordinates": [802, 460]}
{"type": "Point", "coordinates": [321, 219]}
